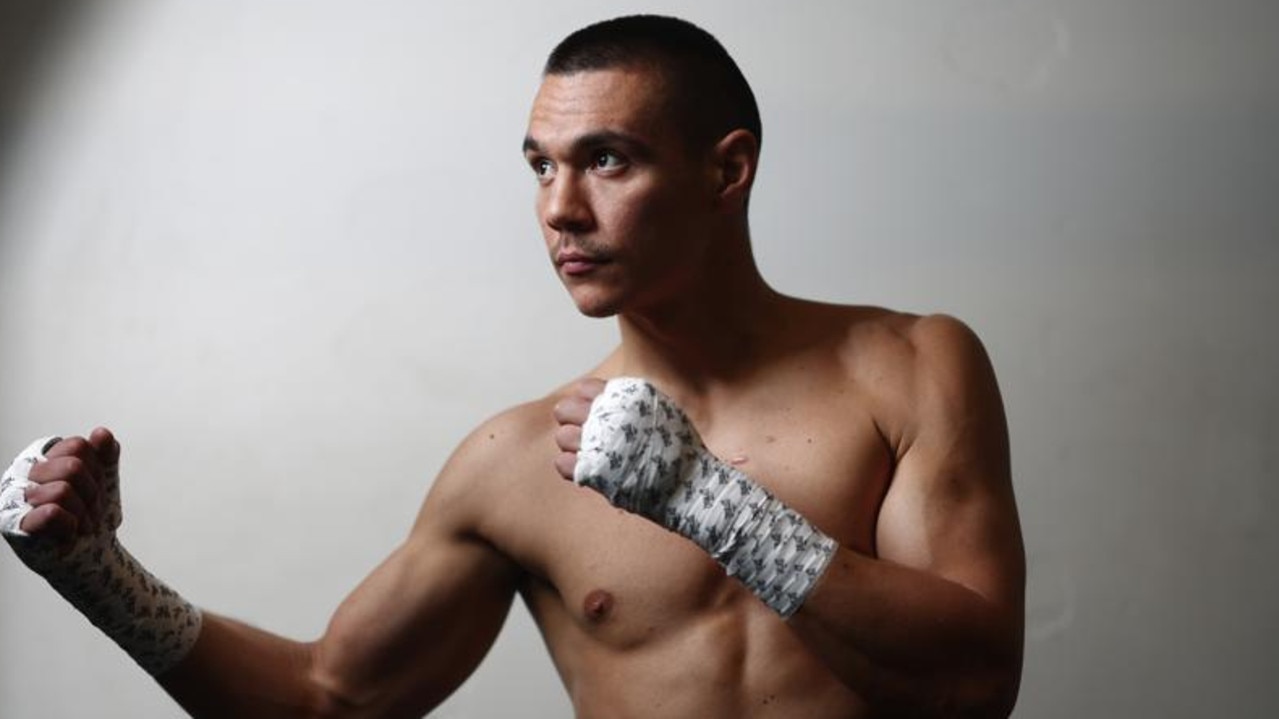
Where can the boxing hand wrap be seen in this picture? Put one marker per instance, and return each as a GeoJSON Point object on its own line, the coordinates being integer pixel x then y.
{"type": "Point", "coordinates": [641, 452]}
{"type": "Point", "coordinates": [150, 621]}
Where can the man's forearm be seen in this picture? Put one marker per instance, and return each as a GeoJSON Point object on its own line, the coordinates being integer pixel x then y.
{"type": "Point", "coordinates": [235, 670]}
{"type": "Point", "coordinates": [913, 641]}
{"type": "Point", "coordinates": [412, 632]}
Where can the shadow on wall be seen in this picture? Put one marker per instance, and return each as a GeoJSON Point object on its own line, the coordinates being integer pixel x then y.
{"type": "Point", "coordinates": [30, 33]}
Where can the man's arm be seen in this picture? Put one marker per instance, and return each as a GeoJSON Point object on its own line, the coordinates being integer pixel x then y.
{"type": "Point", "coordinates": [397, 646]}
{"type": "Point", "coordinates": [933, 625]}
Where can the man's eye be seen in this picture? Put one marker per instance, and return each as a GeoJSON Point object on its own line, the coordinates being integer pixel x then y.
{"type": "Point", "coordinates": [608, 160]}
{"type": "Point", "coordinates": [543, 168]}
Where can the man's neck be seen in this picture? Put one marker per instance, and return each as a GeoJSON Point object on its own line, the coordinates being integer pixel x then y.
{"type": "Point", "coordinates": [712, 335]}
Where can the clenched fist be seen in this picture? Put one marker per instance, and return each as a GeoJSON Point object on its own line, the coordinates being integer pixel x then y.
{"type": "Point", "coordinates": [59, 509]}
{"type": "Point", "coordinates": [571, 413]}
{"type": "Point", "coordinates": [73, 491]}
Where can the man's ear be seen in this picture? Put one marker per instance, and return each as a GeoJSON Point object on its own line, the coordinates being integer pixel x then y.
{"type": "Point", "coordinates": [736, 156]}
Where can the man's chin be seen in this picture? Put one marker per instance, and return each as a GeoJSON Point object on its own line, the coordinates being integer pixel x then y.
{"type": "Point", "coordinates": [597, 311]}
{"type": "Point", "coordinates": [595, 305]}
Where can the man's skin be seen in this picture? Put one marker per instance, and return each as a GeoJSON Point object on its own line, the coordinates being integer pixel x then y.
{"type": "Point", "coordinates": [885, 430]}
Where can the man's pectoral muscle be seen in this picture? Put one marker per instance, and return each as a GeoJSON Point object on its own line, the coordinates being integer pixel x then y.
{"type": "Point", "coordinates": [413, 630]}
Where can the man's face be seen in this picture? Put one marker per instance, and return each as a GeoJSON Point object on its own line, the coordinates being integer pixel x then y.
{"type": "Point", "coordinates": [621, 201]}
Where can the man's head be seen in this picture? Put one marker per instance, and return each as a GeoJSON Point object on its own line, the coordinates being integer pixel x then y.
{"type": "Point", "coordinates": [706, 93]}
{"type": "Point", "coordinates": [644, 138]}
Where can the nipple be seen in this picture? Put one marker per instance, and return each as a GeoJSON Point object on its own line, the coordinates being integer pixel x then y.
{"type": "Point", "coordinates": [597, 605]}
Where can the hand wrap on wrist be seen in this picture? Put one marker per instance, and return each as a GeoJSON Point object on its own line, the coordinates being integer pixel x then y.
{"type": "Point", "coordinates": [641, 452]}
{"type": "Point", "coordinates": [151, 622]}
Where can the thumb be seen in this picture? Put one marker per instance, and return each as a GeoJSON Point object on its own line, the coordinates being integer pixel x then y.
{"type": "Point", "coordinates": [107, 447]}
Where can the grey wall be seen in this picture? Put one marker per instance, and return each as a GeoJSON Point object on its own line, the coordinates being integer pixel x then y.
{"type": "Point", "coordinates": [287, 251]}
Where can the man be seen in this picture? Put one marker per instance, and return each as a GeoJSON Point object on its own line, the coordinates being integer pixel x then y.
{"type": "Point", "coordinates": [800, 510]}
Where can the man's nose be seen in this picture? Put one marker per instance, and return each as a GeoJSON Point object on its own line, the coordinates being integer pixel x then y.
{"type": "Point", "coordinates": [567, 208]}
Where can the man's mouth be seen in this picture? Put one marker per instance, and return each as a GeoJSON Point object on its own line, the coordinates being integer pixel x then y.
{"type": "Point", "coordinates": [575, 263]}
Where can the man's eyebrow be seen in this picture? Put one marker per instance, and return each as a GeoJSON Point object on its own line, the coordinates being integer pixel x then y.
{"type": "Point", "coordinates": [604, 138]}
{"type": "Point", "coordinates": [600, 138]}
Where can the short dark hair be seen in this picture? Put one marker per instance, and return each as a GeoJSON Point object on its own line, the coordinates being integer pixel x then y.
{"type": "Point", "coordinates": [707, 90]}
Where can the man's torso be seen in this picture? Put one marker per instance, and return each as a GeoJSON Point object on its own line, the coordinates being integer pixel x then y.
{"type": "Point", "coordinates": [641, 622]}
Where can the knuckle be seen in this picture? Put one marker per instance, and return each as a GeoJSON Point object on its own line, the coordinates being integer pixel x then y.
{"type": "Point", "coordinates": [73, 465]}
{"type": "Point", "coordinates": [38, 472]}
{"type": "Point", "coordinates": [58, 493]}
{"type": "Point", "coordinates": [75, 445]}
{"type": "Point", "coordinates": [53, 521]}
{"type": "Point", "coordinates": [34, 523]}
{"type": "Point", "coordinates": [564, 436]}
{"type": "Point", "coordinates": [44, 514]}
{"type": "Point", "coordinates": [565, 463]}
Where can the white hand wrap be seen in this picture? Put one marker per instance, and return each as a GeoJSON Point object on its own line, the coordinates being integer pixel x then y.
{"type": "Point", "coordinates": [640, 451]}
{"type": "Point", "coordinates": [151, 622]}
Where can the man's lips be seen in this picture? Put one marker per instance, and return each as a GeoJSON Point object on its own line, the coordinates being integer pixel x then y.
{"type": "Point", "coordinates": [577, 263]}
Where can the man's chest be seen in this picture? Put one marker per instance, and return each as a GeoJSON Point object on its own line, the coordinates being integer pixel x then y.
{"type": "Point", "coordinates": [825, 459]}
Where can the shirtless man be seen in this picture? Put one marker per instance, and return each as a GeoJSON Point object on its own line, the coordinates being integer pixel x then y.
{"type": "Point", "coordinates": [875, 565]}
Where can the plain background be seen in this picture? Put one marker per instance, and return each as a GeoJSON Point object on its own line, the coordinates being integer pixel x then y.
{"type": "Point", "coordinates": [287, 251]}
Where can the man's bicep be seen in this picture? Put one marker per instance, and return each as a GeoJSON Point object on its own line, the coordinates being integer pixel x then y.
{"type": "Point", "coordinates": [417, 626]}
{"type": "Point", "coordinates": [423, 619]}
{"type": "Point", "coordinates": [950, 509]}
{"type": "Point", "coordinates": [967, 535]}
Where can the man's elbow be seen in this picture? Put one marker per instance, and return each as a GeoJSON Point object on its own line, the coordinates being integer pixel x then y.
{"type": "Point", "coordinates": [332, 695]}
{"type": "Point", "coordinates": [990, 686]}
{"type": "Point", "coordinates": [990, 695]}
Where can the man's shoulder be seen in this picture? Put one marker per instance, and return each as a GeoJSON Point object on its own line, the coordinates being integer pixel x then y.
{"type": "Point", "coordinates": [516, 437]}
{"type": "Point", "coordinates": [926, 370]}
{"type": "Point", "coordinates": [872, 337]}
{"type": "Point", "coordinates": [499, 460]}
{"type": "Point", "coordinates": [939, 340]}
{"type": "Point", "coordinates": [948, 354]}
{"type": "Point", "coordinates": [903, 360]}
{"type": "Point", "coordinates": [512, 433]}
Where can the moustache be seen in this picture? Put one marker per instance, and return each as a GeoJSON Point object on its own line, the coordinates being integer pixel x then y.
{"type": "Point", "coordinates": [577, 243]}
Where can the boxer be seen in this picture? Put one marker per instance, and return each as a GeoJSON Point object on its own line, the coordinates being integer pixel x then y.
{"type": "Point", "coordinates": [755, 506]}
